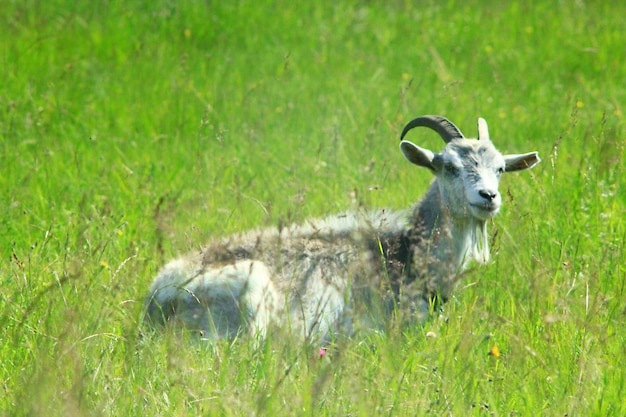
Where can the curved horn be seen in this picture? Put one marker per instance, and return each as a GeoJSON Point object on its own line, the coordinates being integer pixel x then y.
{"type": "Point", "coordinates": [446, 129]}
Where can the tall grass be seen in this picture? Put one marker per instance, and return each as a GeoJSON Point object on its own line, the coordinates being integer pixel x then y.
{"type": "Point", "coordinates": [133, 131]}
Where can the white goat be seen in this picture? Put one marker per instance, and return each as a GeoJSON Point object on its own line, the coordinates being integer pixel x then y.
{"type": "Point", "coordinates": [336, 274]}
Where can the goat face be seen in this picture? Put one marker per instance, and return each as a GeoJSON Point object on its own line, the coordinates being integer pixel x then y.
{"type": "Point", "coordinates": [468, 175]}
{"type": "Point", "coordinates": [468, 170]}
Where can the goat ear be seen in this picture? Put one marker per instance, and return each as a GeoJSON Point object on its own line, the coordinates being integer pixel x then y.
{"type": "Point", "coordinates": [521, 162]}
{"type": "Point", "coordinates": [418, 156]}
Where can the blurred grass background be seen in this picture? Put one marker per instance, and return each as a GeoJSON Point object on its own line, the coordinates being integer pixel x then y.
{"type": "Point", "coordinates": [131, 132]}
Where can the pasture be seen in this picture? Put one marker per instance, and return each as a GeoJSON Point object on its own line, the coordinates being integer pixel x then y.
{"type": "Point", "coordinates": [131, 132]}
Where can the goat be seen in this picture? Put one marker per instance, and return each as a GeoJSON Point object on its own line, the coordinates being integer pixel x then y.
{"type": "Point", "coordinates": [332, 275]}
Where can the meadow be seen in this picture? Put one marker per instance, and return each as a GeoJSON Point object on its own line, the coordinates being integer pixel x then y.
{"type": "Point", "coordinates": [131, 132]}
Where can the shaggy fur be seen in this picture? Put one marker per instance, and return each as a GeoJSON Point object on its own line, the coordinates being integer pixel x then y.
{"type": "Point", "coordinates": [342, 273]}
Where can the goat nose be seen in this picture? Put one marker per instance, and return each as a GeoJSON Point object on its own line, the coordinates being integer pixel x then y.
{"type": "Point", "coordinates": [487, 194]}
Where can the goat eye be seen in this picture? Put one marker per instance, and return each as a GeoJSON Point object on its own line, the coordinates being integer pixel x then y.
{"type": "Point", "coordinates": [500, 171]}
{"type": "Point", "coordinates": [451, 168]}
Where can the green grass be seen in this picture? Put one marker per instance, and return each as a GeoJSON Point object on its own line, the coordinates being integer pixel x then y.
{"type": "Point", "coordinates": [134, 131]}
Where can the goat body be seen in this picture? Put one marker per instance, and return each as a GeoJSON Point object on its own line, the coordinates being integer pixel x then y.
{"type": "Point", "coordinates": [348, 271]}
